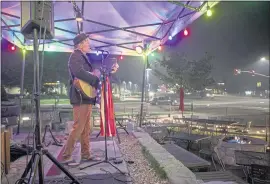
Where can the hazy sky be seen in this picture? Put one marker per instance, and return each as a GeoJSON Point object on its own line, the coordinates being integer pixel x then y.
{"type": "Point", "coordinates": [237, 35]}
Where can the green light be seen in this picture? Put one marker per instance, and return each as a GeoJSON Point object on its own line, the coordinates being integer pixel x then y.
{"type": "Point", "coordinates": [152, 54]}
{"type": "Point", "coordinates": [209, 13]}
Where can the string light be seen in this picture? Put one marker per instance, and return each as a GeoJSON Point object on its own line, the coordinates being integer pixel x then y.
{"type": "Point", "coordinates": [209, 11]}
{"type": "Point", "coordinates": [185, 32]}
{"type": "Point", "coordinates": [139, 49]}
{"type": "Point", "coordinates": [11, 47]}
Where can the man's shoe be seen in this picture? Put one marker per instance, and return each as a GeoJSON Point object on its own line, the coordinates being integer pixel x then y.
{"type": "Point", "coordinates": [90, 159]}
{"type": "Point", "coordinates": [70, 162]}
{"type": "Point", "coordinates": [66, 161]}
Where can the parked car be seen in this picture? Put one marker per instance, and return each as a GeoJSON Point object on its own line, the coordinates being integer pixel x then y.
{"type": "Point", "coordinates": [162, 100]}
{"type": "Point", "coordinates": [126, 93]}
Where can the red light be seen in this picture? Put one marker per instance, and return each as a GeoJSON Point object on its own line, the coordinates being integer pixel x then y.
{"type": "Point", "coordinates": [185, 32]}
{"type": "Point", "coordinates": [11, 47]}
{"type": "Point", "coordinates": [121, 57]}
{"type": "Point", "coordinates": [159, 47]}
{"type": "Point", "coordinates": [237, 71]}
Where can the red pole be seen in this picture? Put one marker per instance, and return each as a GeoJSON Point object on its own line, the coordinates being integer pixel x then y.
{"type": "Point", "coordinates": [182, 106]}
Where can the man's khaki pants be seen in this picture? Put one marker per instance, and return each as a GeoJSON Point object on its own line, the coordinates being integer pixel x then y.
{"type": "Point", "coordinates": [80, 129]}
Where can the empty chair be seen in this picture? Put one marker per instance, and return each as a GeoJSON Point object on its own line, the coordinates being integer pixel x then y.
{"type": "Point", "coordinates": [260, 174]}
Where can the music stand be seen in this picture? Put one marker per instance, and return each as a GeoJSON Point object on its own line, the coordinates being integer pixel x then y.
{"type": "Point", "coordinates": [104, 74]}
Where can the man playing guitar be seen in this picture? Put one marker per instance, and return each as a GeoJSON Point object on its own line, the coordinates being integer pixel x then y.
{"type": "Point", "coordinates": [80, 68]}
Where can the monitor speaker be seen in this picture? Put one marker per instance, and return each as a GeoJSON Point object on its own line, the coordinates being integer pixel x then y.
{"type": "Point", "coordinates": [32, 18]}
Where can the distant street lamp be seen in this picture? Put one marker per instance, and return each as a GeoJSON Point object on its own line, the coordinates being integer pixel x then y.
{"type": "Point", "coordinates": [263, 59]}
{"type": "Point", "coordinates": [135, 87]}
{"type": "Point", "coordinates": [124, 85]}
{"type": "Point", "coordinates": [58, 86]}
{"type": "Point", "coordinates": [130, 84]}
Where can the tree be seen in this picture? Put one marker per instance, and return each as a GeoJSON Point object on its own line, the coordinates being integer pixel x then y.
{"type": "Point", "coordinates": [11, 67]}
{"type": "Point", "coordinates": [183, 72]}
{"type": "Point", "coordinates": [54, 68]}
{"type": "Point", "coordinates": [200, 73]}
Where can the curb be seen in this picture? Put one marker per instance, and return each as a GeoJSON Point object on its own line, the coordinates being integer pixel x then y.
{"type": "Point", "coordinates": [166, 165]}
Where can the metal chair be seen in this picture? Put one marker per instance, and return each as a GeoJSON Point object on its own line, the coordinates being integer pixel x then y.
{"type": "Point", "coordinates": [212, 151]}
{"type": "Point", "coordinates": [260, 174]}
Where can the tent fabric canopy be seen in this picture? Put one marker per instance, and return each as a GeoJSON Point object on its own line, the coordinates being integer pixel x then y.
{"type": "Point", "coordinates": [117, 27]}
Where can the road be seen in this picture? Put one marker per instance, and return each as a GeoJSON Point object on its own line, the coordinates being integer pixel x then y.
{"type": "Point", "coordinates": [248, 108]}
{"type": "Point", "coordinates": [219, 102]}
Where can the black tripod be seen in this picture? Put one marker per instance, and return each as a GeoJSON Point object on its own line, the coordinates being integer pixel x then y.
{"type": "Point", "coordinates": [36, 162]}
{"type": "Point", "coordinates": [55, 141]}
{"type": "Point", "coordinates": [104, 77]}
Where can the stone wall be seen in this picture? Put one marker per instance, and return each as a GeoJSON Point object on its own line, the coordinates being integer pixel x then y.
{"type": "Point", "coordinates": [171, 168]}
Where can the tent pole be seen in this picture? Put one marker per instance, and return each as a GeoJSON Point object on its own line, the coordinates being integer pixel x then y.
{"type": "Point", "coordinates": [21, 92]}
{"type": "Point", "coordinates": [143, 86]}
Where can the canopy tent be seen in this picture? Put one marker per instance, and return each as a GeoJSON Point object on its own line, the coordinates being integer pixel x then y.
{"type": "Point", "coordinates": [117, 27]}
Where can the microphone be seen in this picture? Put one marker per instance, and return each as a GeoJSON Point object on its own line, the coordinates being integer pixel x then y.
{"type": "Point", "coordinates": [102, 51]}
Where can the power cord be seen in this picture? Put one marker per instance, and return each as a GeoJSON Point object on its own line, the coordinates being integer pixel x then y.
{"type": "Point", "coordinates": [113, 176]}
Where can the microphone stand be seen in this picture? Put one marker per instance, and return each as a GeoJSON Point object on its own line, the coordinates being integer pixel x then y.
{"type": "Point", "coordinates": [104, 83]}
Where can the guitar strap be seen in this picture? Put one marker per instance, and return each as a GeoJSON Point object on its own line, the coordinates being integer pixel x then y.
{"type": "Point", "coordinates": [72, 75]}
{"type": "Point", "coordinates": [70, 72]}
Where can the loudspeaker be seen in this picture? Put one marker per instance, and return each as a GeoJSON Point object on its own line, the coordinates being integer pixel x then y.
{"type": "Point", "coordinates": [31, 18]}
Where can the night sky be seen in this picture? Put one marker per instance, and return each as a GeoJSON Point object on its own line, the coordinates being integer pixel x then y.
{"type": "Point", "coordinates": [237, 35]}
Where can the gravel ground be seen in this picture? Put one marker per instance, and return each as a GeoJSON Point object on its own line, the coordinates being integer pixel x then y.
{"type": "Point", "coordinates": [141, 170]}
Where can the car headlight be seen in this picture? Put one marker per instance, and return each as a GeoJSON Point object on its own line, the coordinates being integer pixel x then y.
{"type": "Point", "coordinates": [208, 95]}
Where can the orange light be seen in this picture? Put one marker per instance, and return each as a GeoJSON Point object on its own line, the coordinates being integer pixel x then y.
{"type": "Point", "coordinates": [159, 47]}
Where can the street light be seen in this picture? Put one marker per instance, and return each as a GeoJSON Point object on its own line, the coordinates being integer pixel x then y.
{"type": "Point", "coordinates": [130, 84]}
{"type": "Point", "coordinates": [263, 59]}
